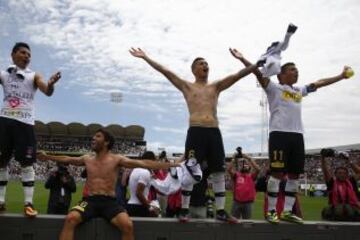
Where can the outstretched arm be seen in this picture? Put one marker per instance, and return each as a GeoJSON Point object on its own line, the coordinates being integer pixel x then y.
{"type": "Point", "coordinates": [172, 77]}
{"type": "Point", "coordinates": [149, 164]}
{"type": "Point", "coordinates": [231, 79]}
{"type": "Point", "coordinates": [79, 161]}
{"type": "Point", "coordinates": [262, 81]}
{"type": "Point", "coordinates": [47, 88]}
{"type": "Point", "coordinates": [328, 81]}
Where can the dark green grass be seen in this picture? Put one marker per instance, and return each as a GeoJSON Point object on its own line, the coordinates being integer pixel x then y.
{"type": "Point", "coordinates": [311, 207]}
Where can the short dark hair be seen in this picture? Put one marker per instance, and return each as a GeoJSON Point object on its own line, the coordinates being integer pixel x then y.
{"type": "Point", "coordinates": [108, 137]}
{"type": "Point", "coordinates": [286, 65]}
{"type": "Point", "coordinates": [148, 155]}
{"type": "Point", "coordinates": [195, 60]}
{"type": "Point", "coordinates": [19, 45]}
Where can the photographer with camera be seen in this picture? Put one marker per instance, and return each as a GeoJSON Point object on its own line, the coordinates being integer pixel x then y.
{"type": "Point", "coordinates": [61, 185]}
{"type": "Point", "coordinates": [341, 186]}
{"type": "Point", "coordinates": [243, 176]}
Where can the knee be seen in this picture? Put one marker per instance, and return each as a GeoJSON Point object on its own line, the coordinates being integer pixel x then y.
{"type": "Point", "coordinates": [72, 219]}
{"type": "Point", "coordinates": [127, 227]}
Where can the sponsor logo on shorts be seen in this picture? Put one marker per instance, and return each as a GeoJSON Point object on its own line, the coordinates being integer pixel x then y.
{"type": "Point", "coordinates": [277, 164]}
{"type": "Point", "coordinates": [81, 207]}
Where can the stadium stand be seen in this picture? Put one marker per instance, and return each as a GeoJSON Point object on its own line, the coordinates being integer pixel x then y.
{"type": "Point", "coordinates": [75, 139]}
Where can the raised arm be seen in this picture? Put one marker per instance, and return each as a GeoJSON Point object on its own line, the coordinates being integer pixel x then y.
{"type": "Point", "coordinates": [233, 78]}
{"type": "Point", "coordinates": [325, 168]}
{"type": "Point", "coordinates": [79, 161]}
{"type": "Point", "coordinates": [172, 77]}
{"type": "Point", "coordinates": [262, 81]}
{"type": "Point", "coordinates": [231, 167]}
{"type": "Point", "coordinates": [47, 88]}
{"type": "Point", "coordinates": [328, 81]}
{"type": "Point", "coordinates": [351, 161]}
{"type": "Point", "coordinates": [252, 163]}
{"type": "Point", "coordinates": [149, 164]}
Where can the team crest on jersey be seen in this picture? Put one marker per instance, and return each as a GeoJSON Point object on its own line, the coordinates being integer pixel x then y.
{"type": "Point", "coordinates": [292, 96]}
{"type": "Point", "coordinates": [14, 102]}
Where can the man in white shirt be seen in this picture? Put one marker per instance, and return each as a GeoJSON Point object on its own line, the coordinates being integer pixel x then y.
{"type": "Point", "coordinates": [17, 135]}
{"type": "Point", "coordinates": [139, 185]}
{"type": "Point", "coordinates": [286, 142]}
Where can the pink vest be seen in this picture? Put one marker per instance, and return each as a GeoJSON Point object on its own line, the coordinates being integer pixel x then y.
{"type": "Point", "coordinates": [244, 187]}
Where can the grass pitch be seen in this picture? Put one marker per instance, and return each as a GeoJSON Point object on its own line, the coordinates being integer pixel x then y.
{"type": "Point", "coordinates": [311, 206]}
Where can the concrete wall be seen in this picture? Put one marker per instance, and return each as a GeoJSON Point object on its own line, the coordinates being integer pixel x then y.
{"type": "Point", "coordinates": [46, 227]}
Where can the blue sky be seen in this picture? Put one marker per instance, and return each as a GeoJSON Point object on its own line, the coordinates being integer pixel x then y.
{"type": "Point", "coordinates": [88, 40]}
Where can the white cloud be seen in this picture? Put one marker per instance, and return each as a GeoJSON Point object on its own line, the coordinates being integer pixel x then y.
{"type": "Point", "coordinates": [91, 38]}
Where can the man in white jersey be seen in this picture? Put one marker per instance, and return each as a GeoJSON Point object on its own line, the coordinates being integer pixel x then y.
{"type": "Point", "coordinates": [139, 186]}
{"type": "Point", "coordinates": [286, 143]}
{"type": "Point", "coordinates": [17, 121]}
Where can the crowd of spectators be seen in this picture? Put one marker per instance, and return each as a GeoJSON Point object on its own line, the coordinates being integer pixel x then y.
{"type": "Point", "coordinates": [313, 170]}
{"type": "Point", "coordinates": [72, 146]}
{"type": "Point", "coordinates": [83, 145]}
{"type": "Point", "coordinates": [312, 162]}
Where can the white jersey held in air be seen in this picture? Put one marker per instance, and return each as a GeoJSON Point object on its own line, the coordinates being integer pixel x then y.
{"type": "Point", "coordinates": [285, 107]}
{"type": "Point", "coordinates": [19, 90]}
{"type": "Point", "coordinates": [139, 175]}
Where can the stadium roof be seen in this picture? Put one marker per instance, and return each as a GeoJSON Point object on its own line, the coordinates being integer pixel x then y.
{"type": "Point", "coordinates": [337, 148]}
{"type": "Point", "coordinates": [75, 129]}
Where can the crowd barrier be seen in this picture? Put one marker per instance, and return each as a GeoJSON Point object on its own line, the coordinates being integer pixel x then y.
{"type": "Point", "coordinates": [45, 227]}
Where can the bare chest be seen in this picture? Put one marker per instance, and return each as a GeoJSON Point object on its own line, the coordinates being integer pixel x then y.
{"type": "Point", "coordinates": [102, 169]}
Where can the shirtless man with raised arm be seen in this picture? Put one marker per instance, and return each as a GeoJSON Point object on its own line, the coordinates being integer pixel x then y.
{"type": "Point", "coordinates": [286, 141]}
{"type": "Point", "coordinates": [102, 171]}
{"type": "Point", "coordinates": [203, 137]}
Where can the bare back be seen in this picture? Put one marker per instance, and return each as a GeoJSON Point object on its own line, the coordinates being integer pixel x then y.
{"type": "Point", "coordinates": [202, 100]}
{"type": "Point", "coordinates": [102, 173]}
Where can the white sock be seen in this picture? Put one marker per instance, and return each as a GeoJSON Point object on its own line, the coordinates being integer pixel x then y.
{"type": "Point", "coordinates": [218, 184]}
{"type": "Point", "coordinates": [289, 203]}
{"type": "Point", "coordinates": [273, 190]}
{"type": "Point", "coordinates": [291, 188]}
{"type": "Point", "coordinates": [28, 194]}
{"type": "Point", "coordinates": [2, 193]}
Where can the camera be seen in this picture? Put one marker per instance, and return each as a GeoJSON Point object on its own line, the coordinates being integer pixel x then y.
{"type": "Point", "coordinates": [327, 152]}
{"type": "Point", "coordinates": [238, 152]}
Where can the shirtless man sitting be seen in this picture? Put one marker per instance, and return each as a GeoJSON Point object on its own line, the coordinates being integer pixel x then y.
{"type": "Point", "coordinates": [102, 170]}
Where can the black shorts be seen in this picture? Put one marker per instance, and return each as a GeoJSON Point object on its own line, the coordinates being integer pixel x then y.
{"type": "Point", "coordinates": [286, 152]}
{"type": "Point", "coordinates": [18, 138]}
{"type": "Point", "coordinates": [98, 206]}
{"type": "Point", "coordinates": [136, 210]}
{"type": "Point", "coordinates": [207, 144]}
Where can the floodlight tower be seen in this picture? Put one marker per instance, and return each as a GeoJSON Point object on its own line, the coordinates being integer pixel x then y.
{"type": "Point", "coordinates": [116, 97]}
{"type": "Point", "coordinates": [264, 122]}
